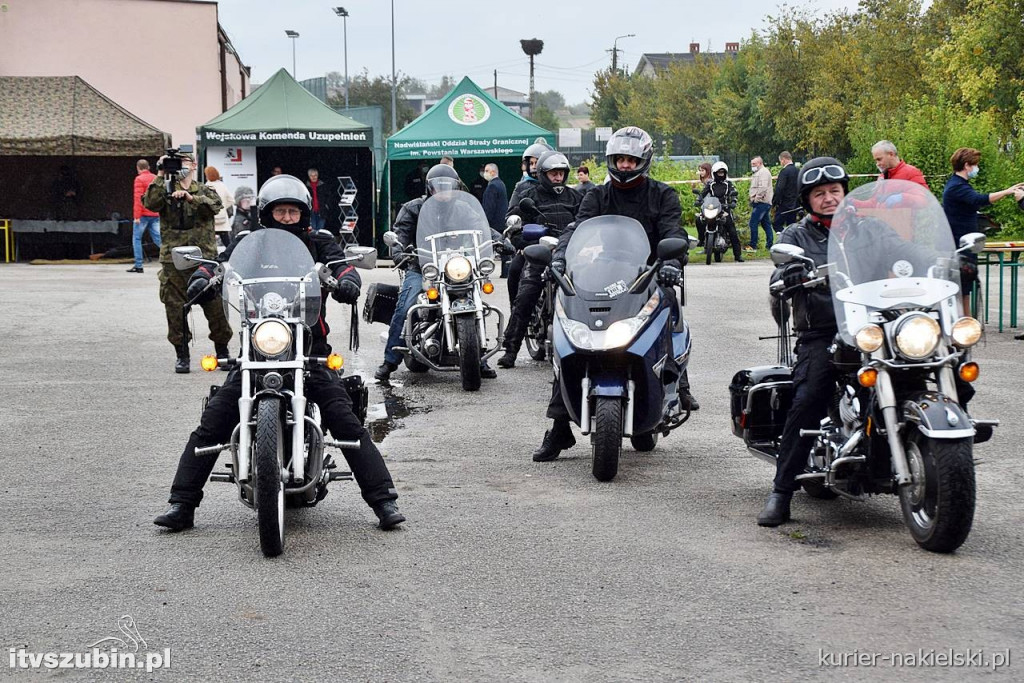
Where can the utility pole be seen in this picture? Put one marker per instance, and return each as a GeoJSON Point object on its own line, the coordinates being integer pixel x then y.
{"type": "Point", "coordinates": [343, 13]}
{"type": "Point", "coordinates": [615, 51]}
{"type": "Point", "coordinates": [495, 84]}
{"type": "Point", "coordinates": [394, 78]}
{"type": "Point", "coordinates": [532, 48]}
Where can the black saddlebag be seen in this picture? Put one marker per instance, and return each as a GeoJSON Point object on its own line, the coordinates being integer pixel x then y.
{"type": "Point", "coordinates": [760, 398]}
{"type": "Point", "coordinates": [381, 301]}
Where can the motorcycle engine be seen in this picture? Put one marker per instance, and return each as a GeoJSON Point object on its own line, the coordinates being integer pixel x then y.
{"type": "Point", "coordinates": [849, 408]}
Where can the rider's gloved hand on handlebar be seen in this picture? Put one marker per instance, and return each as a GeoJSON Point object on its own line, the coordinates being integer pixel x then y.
{"type": "Point", "coordinates": [347, 292]}
{"type": "Point", "coordinates": [558, 266]}
{"type": "Point", "coordinates": [513, 224]}
{"type": "Point", "coordinates": [669, 276]}
{"type": "Point", "coordinates": [196, 285]}
{"type": "Point", "coordinates": [397, 252]}
{"type": "Point", "coordinates": [794, 275]}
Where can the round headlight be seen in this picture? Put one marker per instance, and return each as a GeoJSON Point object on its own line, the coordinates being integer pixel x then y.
{"type": "Point", "coordinates": [458, 269]}
{"type": "Point", "coordinates": [272, 338]}
{"type": "Point", "coordinates": [486, 266]}
{"type": "Point", "coordinates": [429, 271]}
{"type": "Point", "coordinates": [711, 213]}
{"type": "Point", "coordinates": [966, 332]}
{"type": "Point", "coordinates": [917, 336]}
{"type": "Point", "coordinates": [869, 338]}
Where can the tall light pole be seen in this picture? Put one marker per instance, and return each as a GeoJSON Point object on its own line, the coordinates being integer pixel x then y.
{"type": "Point", "coordinates": [341, 12]}
{"type": "Point", "coordinates": [293, 35]}
{"type": "Point", "coordinates": [394, 78]}
{"type": "Point", "coordinates": [615, 50]}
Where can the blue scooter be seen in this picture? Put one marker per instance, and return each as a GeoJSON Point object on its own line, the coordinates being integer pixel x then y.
{"type": "Point", "coordinates": [620, 341]}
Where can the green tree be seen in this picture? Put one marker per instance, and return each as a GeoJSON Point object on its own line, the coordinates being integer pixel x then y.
{"type": "Point", "coordinates": [545, 118]}
{"type": "Point", "coordinates": [551, 99]}
{"type": "Point", "coordinates": [365, 90]}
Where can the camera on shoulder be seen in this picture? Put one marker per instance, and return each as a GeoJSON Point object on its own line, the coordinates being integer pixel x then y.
{"type": "Point", "coordinates": [172, 160]}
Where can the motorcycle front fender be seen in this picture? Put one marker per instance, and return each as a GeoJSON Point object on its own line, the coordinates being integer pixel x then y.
{"type": "Point", "coordinates": [938, 416]}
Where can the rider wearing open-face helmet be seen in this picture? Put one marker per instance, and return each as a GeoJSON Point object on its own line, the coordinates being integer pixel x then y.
{"type": "Point", "coordinates": [720, 186]}
{"type": "Point", "coordinates": [531, 155]}
{"type": "Point", "coordinates": [655, 205]}
{"type": "Point", "coordinates": [284, 204]}
{"type": "Point", "coordinates": [553, 204]}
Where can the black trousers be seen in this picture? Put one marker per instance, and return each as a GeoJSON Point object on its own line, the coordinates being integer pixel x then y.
{"type": "Point", "coordinates": [323, 388]}
{"type": "Point", "coordinates": [515, 271]}
{"type": "Point", "coordinates": [730, 229]}
{"type": "Point", "coordinates": [531, 285]}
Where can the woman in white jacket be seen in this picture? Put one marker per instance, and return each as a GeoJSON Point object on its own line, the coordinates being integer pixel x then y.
{"type": "Point", "coordinates": [222, 221]}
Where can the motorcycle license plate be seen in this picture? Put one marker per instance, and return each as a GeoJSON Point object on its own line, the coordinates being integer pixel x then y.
{"type": "Point", "coordinates": [462, 305]}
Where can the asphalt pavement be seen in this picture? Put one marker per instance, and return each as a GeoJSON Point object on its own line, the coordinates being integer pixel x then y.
{"type": "Point", "coordinates": [506, 569]}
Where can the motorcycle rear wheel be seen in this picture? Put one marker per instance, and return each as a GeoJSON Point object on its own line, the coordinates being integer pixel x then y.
{"type": "Point", "coordinates": [644, 442]}
{"type": "Point", "coordinates": [718, 256]}
{"type": "Point", "coordinates": [536, 348]}
{"type": "Point", "coordinates": [268, 458]}
{"type": "Point", "coordinates": [938, 506]}
{"type": "Point", "coordinates": [413, 365]}
{"type": "Point", "coordinates": [709, 248]}
{"type": "Point", "coordinates": [607, 437]}
{"type": "Point", "coordinates": [469, 351]}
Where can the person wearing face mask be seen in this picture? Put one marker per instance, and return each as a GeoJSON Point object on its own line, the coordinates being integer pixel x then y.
{"type": "Point", "coordinates": [760, 203]}
{"type": "Point", "coordinates": [186, 219]}
{"type": "Point", "coordinates": [961, 202]}
{"type": "Point", "coordinates": [723, 188]}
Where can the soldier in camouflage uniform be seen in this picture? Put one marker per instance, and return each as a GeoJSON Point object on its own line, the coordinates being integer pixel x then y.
{"type": "Point", "coordinates": [186, 219]}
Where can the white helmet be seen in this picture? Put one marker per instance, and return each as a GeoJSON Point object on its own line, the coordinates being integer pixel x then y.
{"type": "Point", "coordinates": [719, 166]}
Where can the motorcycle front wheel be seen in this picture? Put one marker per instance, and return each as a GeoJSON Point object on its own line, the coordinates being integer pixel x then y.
{"type": "Point", "coordinates": [938, 505]}
{"type": "Point", "coordinates": [607, 437]}
{"type": "Point", "coordinates": [469, 351]}
{"type": "Point", "coordinates": [268, 458]}
{"type": "Point", "coordinates": [709, 248]}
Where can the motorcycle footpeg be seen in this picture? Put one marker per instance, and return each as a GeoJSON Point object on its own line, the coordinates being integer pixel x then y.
{"type": "Point", "coordinates": [340, 475]}
{"type": "Point", "coordinates": [811, 432]}
{"type": "Point", "coordinates": [210, 450]}
{"type": "Point", "coordinates": [810, 475]}
{"type": "Point", "coordinates": [223, 476]}
{"type": "Point", "coordinates": [341, 444]}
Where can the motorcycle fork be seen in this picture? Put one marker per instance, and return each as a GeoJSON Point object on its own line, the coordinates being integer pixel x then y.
{"type": "Point", "coordinates": [886, 397]}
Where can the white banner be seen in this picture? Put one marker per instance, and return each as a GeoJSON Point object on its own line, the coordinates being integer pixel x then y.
{"type": "Point", "coordinates": [237, 166]}
{"type": "Point", "coordinates": [602, 134]}
{"type": "Point", "coordinates": [570, 137]}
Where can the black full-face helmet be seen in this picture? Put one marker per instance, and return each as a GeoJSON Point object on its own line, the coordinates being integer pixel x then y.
{"type": "Point", "coordinates": [534, 151]}
{"type": "Point", "coordinates": [634, 142]}
{"type": "Point", "coordinates": [820, 171]}
{"type": "Point", "coordinates": [442, 178]}
{"type": "Point", "coordinates": [284, 189]}
{"type": "Point", "coordinates": [553, 161]}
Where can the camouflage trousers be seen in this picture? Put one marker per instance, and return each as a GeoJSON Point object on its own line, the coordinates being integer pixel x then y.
{"type": "Point", "coordinates": [173, 284]}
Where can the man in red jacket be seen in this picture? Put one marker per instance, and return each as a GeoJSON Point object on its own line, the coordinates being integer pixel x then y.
{"type": "Point", "coordinates": [891, 167]}
{"type": "Point", "coordinates": [144, 219]}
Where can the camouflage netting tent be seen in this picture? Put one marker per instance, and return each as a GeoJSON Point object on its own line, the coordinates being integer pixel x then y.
{"type": "Point", "coordinates": [58, 133]}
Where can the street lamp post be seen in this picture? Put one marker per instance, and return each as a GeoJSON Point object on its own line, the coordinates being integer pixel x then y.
{"type": "Point", "coordinates": [341, 12]}
{"type": "Point", "coordinates": [615, 50]}
{"type": "Point", "coordinates": [394, 78]}
{"type": "Point", "coordinates": [293, 35]}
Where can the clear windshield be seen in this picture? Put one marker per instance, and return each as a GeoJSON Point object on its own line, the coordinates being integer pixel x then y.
{"type": "Point", "coordinates": [452, 223]}
{"type": "Point", "coordinates": [272, 268]}
{"type": "Point", "coordinates": [890, 247]}
{"type": "Point", "coordinates": [605, 254]}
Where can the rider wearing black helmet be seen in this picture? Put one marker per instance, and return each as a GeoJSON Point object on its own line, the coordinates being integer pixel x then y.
{"type": "Point", "coordinates": [284, 204]}
{"type": "Point", "coordinates": [556, 207]}
{"type": "Point", "coordinates": [440, 178]}
{"type": "Point", "coordinates": [720, 186]}
{"type": "Point", "coordinates": [655, 205]}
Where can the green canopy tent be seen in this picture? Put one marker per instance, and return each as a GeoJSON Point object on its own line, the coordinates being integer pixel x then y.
{"type": "Point", "coordinates": [468, 125]}
{"type": "Point", "coordinates": [281, 124]}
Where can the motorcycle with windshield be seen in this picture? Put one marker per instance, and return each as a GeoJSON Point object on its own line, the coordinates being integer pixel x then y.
{"type": "Point", "coordinates": [271, 290]}
{"type": "Point", "coordinates": [620, 341]}
{"type": "Point", "coordinates": [446, 329]}
{"type": "Point", "coordinates": [902, 357]}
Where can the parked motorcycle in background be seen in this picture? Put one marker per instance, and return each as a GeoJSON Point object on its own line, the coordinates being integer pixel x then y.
{"type": "Point", "coordinates": [714, 219]}
{"type": "Point", "coordinates": [896, 424]}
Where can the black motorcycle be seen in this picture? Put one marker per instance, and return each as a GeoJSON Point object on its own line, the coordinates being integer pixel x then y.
{"type": "Point", "coordinates": [714, 218]}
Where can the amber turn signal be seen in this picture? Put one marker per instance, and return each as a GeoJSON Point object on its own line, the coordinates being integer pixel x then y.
{"type": "Point", "coordinates": [209, 363]}
{"type": "Point", "coordinates": [432, 294]}
{"type": "Point", "coordinates": [867, 377]}
{"type": "Point", "coordinates": [488, 288]}
{"type": "Point", "coordinates": [335, 361]}
{"type": "Point", "coordinates": [969, 371]}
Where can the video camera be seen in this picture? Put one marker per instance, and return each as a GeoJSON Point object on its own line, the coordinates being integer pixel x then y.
{"type": "Point", "coordinates": [171, 163]}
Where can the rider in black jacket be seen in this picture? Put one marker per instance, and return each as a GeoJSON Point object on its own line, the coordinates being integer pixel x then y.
{"type": "Point", "coordinates": [656, 206]}
{"type": "Point", "coordinates": [531, 155]}
{"type": "Point", "coordinates": [721, 187]}
{"type": "Point", "coordinates": [556, 206]}
{"type": "Point", "coordinates": [284, 204]}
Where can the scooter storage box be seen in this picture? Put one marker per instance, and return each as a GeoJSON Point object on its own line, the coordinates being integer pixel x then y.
{"type": "Point", "coordinates": [381, 302]}
{"type": "Point", "coordinates": [760, 398]}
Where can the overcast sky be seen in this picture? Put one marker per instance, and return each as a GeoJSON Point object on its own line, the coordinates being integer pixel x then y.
{"type": "Point", "coordinates": [475, 37]}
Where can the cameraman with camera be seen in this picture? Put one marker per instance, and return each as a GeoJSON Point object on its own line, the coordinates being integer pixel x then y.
{"type": "Point", "coordinates": [187, 210]}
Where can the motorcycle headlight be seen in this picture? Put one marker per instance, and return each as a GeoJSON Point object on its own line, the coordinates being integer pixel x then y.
{"type": "Point", "coordinates": [966, 332]}
{"type": "Point", "coordinates": [429, 271]}
{"type": "Point", "coordinates": [272, 338]}
{"type": "Point", "coordinates": [458, 269]}
{"type": "Point", "coordinates": [486, 266]}
{"type": "Point", "coordinates": [618, 334]}
{"type": "Point", "coordinates": [869, 338]}
{"type": "Point", "coordinates": [711, 213]}
{"type": "Point", "coordinates": [917, 336]}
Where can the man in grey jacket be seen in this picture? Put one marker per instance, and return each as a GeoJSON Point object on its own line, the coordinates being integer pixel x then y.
{"type": "Point", "coordinates": [760, 203]}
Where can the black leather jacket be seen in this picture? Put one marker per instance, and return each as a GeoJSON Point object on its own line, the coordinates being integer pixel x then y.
{"type": "Point", "coordinates": [405, 229]}
{"type": "Point", "coordinates": [559, 209]}
{"type": "Point", "coordinates": [812, 308]}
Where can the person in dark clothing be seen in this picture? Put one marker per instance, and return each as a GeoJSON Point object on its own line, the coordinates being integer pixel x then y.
{"type": "Point", "coordinates": [703, 176]}
{"type": "Point", "coordinates": [529, 165]}
{"type": "Point", "coordinates": [556, 206]}
{"type": "Point", "coordinates": [245, 211]}
{"type": "Point", "coordinates": [656, 207]}
{"type": "Point", "coordinates": [495, 201]}
{"type": "Point", "coordinates": [720, 186]}
{"type": "Point", "coordinates": [284, 204]}
{"type": "Point", "coordinates": [961, 202]}
{"type": "Point", "coordinates": [440, 178]}
{"type": "Point", "coordinates": [786, 200]}
{"type": "Point", "coordinates": [583, 177]}
{"type": "Point", "coordinates": [479, 184]}
{"type": "Point", "coordinates": [415, 181]}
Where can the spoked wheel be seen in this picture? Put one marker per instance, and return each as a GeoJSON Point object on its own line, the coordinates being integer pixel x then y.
{"type": "Point", "coordinates": [709, 248]}
{"type": "Point", "coordinates": [644, 442]}
{"type": "Point", "coordinates": [469, 351]}
{"type": "Point", "coordinates": [607, 437]}
{"type": "Point", "coordinates": [268, 459]}
{"type": "Point", "coordinates": [938, 505]}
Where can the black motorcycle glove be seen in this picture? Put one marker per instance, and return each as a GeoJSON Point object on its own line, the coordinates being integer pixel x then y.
{"type": "Point", "coordinates": [794, 275]}
{"type": "Point", "coordinates": [397, 252]}
{"type": "Point", "coordinates": [196, 285]}
{"type": "Point", "coordinates": [968, 271]}
{"type": "Point", "coordinates": [347, 292]}
{"type": "Point", "coordinates": [669, 276]}
{"type": "Point", "coordinates": [558, 266]}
